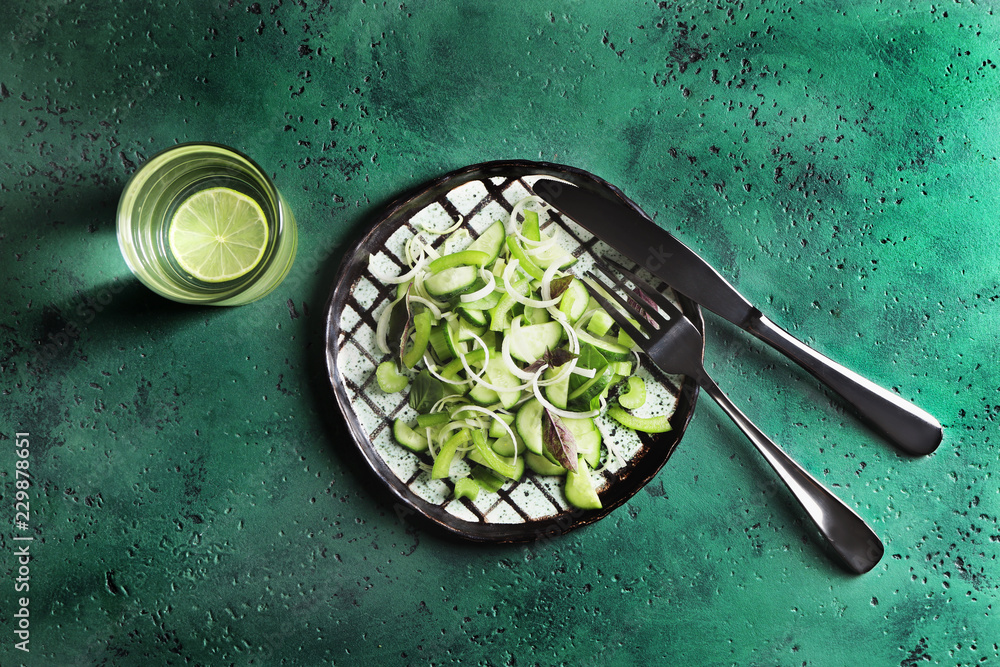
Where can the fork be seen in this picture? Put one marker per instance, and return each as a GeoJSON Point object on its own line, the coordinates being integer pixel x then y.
{"type": "Point", "coordinates": [675, 346]}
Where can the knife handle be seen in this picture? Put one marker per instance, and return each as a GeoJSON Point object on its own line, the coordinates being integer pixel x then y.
{"type": "Point", "coordinates": [910, 428]}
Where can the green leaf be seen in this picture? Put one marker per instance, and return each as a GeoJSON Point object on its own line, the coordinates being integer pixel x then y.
{"type": "Point", "coordinates": [425, 392]}
{"type": "Point", "coordinates": [590, 357]}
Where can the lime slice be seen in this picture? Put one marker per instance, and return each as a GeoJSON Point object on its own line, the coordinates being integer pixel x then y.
{"type": "Point", "coordinates": [218, 234]}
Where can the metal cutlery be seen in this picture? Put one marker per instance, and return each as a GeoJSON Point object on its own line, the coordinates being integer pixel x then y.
{"type": "Point", "coordinates": [675, 345]}
{"type": "Point", "coordinates": [623, 226]}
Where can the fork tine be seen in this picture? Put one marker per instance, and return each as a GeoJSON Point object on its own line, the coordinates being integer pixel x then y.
{"type": "Point", "coordinates": [609, 294]}
{"type": "Point", "coordinates": [639, 307]}
{"type": "Point", "coordinates": [638, 336]}
{"type": "Point", "coordinates": [662, 302]}
{"type": "Point", "coordinates": [632, 309]}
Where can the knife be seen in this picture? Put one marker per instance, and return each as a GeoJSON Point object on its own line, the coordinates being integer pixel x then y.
{"type": "Point", "coordinates": [624, 227]}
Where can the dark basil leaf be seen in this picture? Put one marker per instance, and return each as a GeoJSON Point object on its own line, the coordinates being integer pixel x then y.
{"type": "Point", "coordinates": [554, 358]}
{"type": "Point", "coordinates": [559, 285]}
{"type": "Point", "coordinates": [559, 441]}
{"type": "Point", "coordinates": [559, 356]}
{"type": "Point", "coordinates": [403, 311]}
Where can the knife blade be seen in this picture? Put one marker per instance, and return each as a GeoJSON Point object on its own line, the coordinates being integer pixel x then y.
{"type": "Point", "coordinates": [623, 226]}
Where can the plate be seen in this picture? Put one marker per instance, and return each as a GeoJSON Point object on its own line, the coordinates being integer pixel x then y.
{"type": "Point", "coordinates": [534, 507]}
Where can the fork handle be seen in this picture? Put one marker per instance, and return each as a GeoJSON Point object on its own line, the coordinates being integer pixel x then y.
{"type": "Point", "coordinates": [846, 532]}
{"type": "Point", "coordinates": [913, 430]}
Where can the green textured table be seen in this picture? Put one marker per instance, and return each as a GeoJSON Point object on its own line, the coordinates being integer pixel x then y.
{"type": "Point", "coordinates": [195, 498]}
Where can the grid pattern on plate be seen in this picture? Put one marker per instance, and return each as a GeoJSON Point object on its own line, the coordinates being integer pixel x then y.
{"type": "Point", "coordinates": [477, 204]}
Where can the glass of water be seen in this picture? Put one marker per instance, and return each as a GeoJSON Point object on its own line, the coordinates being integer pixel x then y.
{"type": "Point", "coordinates": [202, 223]}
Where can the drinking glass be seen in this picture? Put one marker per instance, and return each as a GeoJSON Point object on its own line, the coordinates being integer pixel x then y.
{"type": "Point", "coordinates": [162, 185]}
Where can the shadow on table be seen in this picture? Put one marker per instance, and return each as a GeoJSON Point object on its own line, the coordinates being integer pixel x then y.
{"type": "Point", "coordinates": [109, 311]}
{"type": "Point", "coordinates": [62, 227]}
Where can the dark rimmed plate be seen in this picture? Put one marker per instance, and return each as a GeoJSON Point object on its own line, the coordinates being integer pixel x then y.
{"type": "Point", "coordinates": [535, 506]}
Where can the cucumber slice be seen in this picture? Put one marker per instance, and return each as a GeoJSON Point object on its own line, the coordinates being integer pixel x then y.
{"type": "Point", "coordinates": [483, 395]}
{"type": "Point", "coordinates": [483, 303]}
{"type": "Point", "coordinates": [455, 346]}
{"type": "Point", "coordinates": [588, 440]}
{"type": "Point", "coordinates": [472, 316]}
{"type": "Point", "coordinates": [439, 343]}
{"type": "Point", "coordinates": [579, 488]}
{"type": "Point", "coordinates": [542, 466]}
{"type": "Point", "coordinates": [557, 393]}
{"type": "Point", "coordinates": [466, 330]}
{"type": "Point", "coordinates": [498, 431]}
{"type": "Point", "coordinates": [536, 315]}
{"type": "Point", "coordinates": [500, 376]}
{"type": "Point", "coordinates": [612, 351]}
{"type": "Point", "coordinates": [504, 446]}
{"type": "Point", "coordinates": [528, 424]}
{"type": "Point", "coordinates": [453, 281]}
{"type": "Point", "coordinates": [475, 317]}
{"type": "Point", "coordinates": [574, 301]}
{"type": "Point", "coordinates": [491, 241]}
{"type": "Point", "coordinates": [407, 437]}
{"type": "Point", "coordinates": [530, 342]}
{"type": "Point", "coordinates": [458, 333]}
